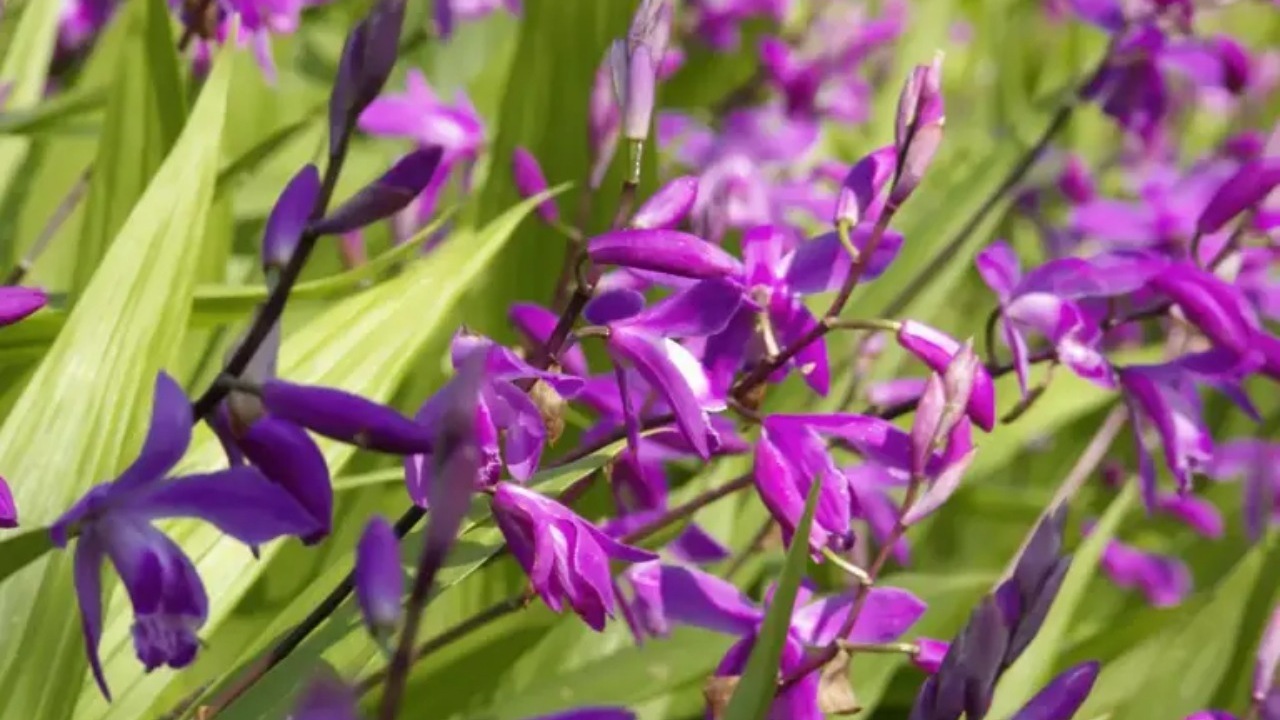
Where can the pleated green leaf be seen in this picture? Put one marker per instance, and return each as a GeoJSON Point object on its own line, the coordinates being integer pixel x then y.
{"type": "Point", "coordinates": [78, 419]}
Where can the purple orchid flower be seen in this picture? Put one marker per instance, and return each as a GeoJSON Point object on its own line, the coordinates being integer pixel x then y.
{"type": "Point", "coordinates": [1267, 659]}
{"type": "Point", "coordinates": [792, 453]}
{"type": "Point", "coordinates": [259, 20]}
{"type": "Point", "coordinates": [937, 349]}
{"type": "Point", "coordinates": [717, 22]}
{"type": "Point", "coordinates": [18, 303]}
{"type": "Point", "coordinates": [502, 410]}
{"type": "Point", "coordinates": [664, 595]}
{"type": "Point", "coordinates": [565, 556]}
{"type": "Point", "coordinates": [114, 521]}
{"type": "Point", "coordinates": [642, 340]}
{"type": "Point", "coordinates": [1164, 396]}
{"type": "Point", "coordinates": [81, 20]}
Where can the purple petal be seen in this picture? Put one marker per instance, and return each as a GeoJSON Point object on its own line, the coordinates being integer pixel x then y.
{"type": "Point", "coordinates": [526, 432]}
{"type": "Point", "coordinates": [667, 251]}
{"type": "Point", "coordinates": [379, 577]}
{"type": "Point", "coordinates": [1000, 269]}
{"type": "Point", "coordinates": [1174, 408]}
{"type": "Point", "coordinates": [1268, 657]}
{"type": "Point", "coordinates": [653, 359]}
{"type": "Point", "coordinates": [697, 546]}
{"type": "Point", "coordinates": [287, 456]}
{"type": "Point", "coordinates": [692, 597]}
{"type": "Point", "coordinates": [530, 181]}
{"type": "Point", "coordinates": [888, 393]}
{"type": "Point", "coordinates": [779, 490]}
{"type": "Point", "coordinates": [792, 322]}
{"type": "Point", "coordinates": [590, 713]}
{"type": "Point", "coordinates": [17, 303]}
{"type": "Point", "coordinates": [822, 264]}
{"type": "Point", "coordinates": [346, 417]}
{"type": "Point", "coordinates": [863, 185]}
{"type": "Point", "coordinates": [942, 489]}
{"type": "Point", "coordinates": [1164, 580]}
{"type": "Point", "coordinates": [1198, 514]}
{"type": "Point", "coordinates": [1211, 304]}
{"type": "Point", "coordinates": [1063, 696]}
{"type": "Point", "coordinates": [936, 349]}
{"type": "Point", "coordinates": [667, 207]}
{"type": "Point", "coordinates": [88, 582]}
{"type": "Point", "coordinates": [8, 510]}
{"type": "Point", "coordinates": [887, 613]}
{"type": "Point", "coordinates": [929, 659]}
{"type": "Point", "coordinates": [385, 196]}
{"type": "Point", "coordinates": [289, 217]}
{"type": "Point", "coordinates": [240, 502]}
{"type": "Point", "coordinates": [168, 435]}
{"type": "Point", "coordinates": [1250, 185]}
{"type": "Point", "coordinates": [703, 309]}
{"type": "Point", "coordinates": [613, 305]}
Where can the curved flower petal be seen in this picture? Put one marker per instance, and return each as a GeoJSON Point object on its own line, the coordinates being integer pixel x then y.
{"type": "Point", "coordinates": [88, 582]}
{"type": "Point", "coordinates": [652, 358]}
{"type": "Point", "coordinates": [17, 303]}
{"type": "Point", "coordinates": [168, 435]}
{"type": "Point", "coordinates": [936, 349]}
{"type": "Point", "coordinates": [887, 613]}
{"type": "Point", "coordinates": [287, 456]}
{"type": "Point", "coordinates": [1164, 580]}
{"type": "Point", "coordinates": [667, 251]}
{"type": "Point", "coordinates": [1063, 696]}
{"type": "Point", "coordinates": [240, 502]}
{"type": "Point", "coordinates": [703, 309]}
{"type": "Point", "coordinates": [537, 323]}
{"type": "Point", "coordinates": [346, 417]}
{"type": "Point", "coordinates": [822, 264]}
{"type": "Point", "coordinates": [792, 322]}
{"type": "Point", "coordinates": [1000, 269]}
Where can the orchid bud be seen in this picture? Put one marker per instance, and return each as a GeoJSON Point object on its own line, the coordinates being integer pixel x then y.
{"type": "Point", "coordinates": [1063, 696]}
{"type": "Point", "coordinates": [288, 219]}
{"type": "Point", "coordinates": [958, 380]}
{"type": "Point", "coordinates": [530, 181]}
{"type": "Point", "coordinates": [859, 197]}
{"type": "Point", "coordinates": [8, 510]}
{"type": "Point", "coordinates": [367, 58]}
{"type": "Point", "coordinates": [937, 349]}
{"type": "Point", "coordinates": [665, 251]}
{"type": "Point", "coordinates": [667, 207]}
{"type": "Point", "coordinates": [1235, 63]}
{"type": "Point", "coordinates": [917, 128]}
{"type": "Point", "coordinates": [17, 303]}
{"type": "Point", "coordinates": [1250, 185]}
{"type": "Point", "coordinates": [603, 122]}
{"type": "Point", "coordinates": [1075, 183]}
{"type": "Point", "coordinates": [345, 417]}
{"type": "Point", "coordinates": [379, 577]}
{"type": "Point", "coordinates": [635, 62]}
{"type": "Point", "coordinates": [385, 196]}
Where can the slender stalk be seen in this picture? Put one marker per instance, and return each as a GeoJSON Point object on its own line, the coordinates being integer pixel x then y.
{"type": "Point", "coordinates": [50, 229]}
{"type": "Point", "coordinates": [273, 308]}
{"type": "Point", "coordinates": [302, 630]}
{"type": "Point", "coordinates": [757, 541]}
{"type": "Point", "coordinates": [429, 563]}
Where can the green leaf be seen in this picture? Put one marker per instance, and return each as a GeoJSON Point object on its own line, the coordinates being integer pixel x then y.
{"type": "Point", "coordinates": [759, 682]}
{"type": "Point", "coordinates": [25, 69]}
{"type": "Point", "coordinates": [365, 344]}
{"type": "Point", "coordinates": [55, 115]}
{"type": "Point", "coordinates": [145, 111]}
{"type": "Point", "coordinates": [76, 422]}
{"type": "Point", "coordinates": [23, 549]}
{"type": "Point", "coordinates": [1039, 661]}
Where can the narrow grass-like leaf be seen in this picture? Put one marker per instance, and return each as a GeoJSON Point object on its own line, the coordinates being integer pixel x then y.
{"type": "Point", "coordinates": [21, 550]}
{"type": "Point", "coordinates": [145, 110]}
{"type": "Point", "coordinates": [69, 112]}
{"type": "Point", "coordinates": [25, 68]}
{"type": "Point", "coordinates": [759, 683]}
{"type": "Point", "coordinates": [1038, 662]}
{"type": "Point", "coordinates": [75, 424]}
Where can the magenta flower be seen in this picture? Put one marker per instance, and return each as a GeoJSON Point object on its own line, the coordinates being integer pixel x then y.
{"type": "Point", "coordinates": [259, 20]}
{"type": "Point", "coordinates": [664, 595]}
{"type": "Point", "coordinates": [81, 20]}
{"type": "Point", "coordinates": [937, 349]}
{"type": "Point", "coordinates": [1165, 397]}
{"type": "Point", "coordinates": [566, 557]}
{"type": "Point", "coordinates": [18, 303]}
{"type": "Point", "coordinates": [448, 13]}
{"type": "Point", "coordinates": [530, 181]}
{"type": "Point", "coordinates": [503, 412]}
{"type": "Point", "coordinates": [114, 521]}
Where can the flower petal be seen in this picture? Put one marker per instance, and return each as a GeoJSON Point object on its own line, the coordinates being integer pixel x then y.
{"type": "Point", "coordinates": [667, 251]}
{"type": "Point", "coordinates": [887, 613]}
{"type": "Point", "coordinates": [936, 349]}
{"type": "Point", "coordinates": [167, 436]}
{"type": "Point", "coordinates": [346, 417]}
{"type": "Point", "coordinates": [88, 582]}
{"type": "Point", "coordinates": [1063, 696]}
{"type": "Point", "coordinates": [703, 309]}
{"type": "Point", "coordinates": [17, 303]}
{"type": "Point", "coordinates": [385, 196]}
{"type": "Point", "coordinates": [379, 578]}
{"type": "Point", "coordinates": [288, 457]}
{"type": "Point", "coordinates": [822, 264]}
{"type": "Point", "coordinates": [1000, 269]}
{"type": "Point", "coordinates": [240, 502]}
{"type": "Point", "coordinates": [651, 357]}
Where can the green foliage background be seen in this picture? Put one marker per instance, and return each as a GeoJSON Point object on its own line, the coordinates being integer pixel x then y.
{"type": "Point", "coordinates": [154, 270]}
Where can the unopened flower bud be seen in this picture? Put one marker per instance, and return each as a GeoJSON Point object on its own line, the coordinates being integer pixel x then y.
{"type": "Point", "coordinates": [958, 380]}
{"type": "Point", "coordinates": [929, 657]}
{"type": "Point", "coordinates": [530, 181]}
{"type": "Point", "coordinates": [667, 207]}
{"type": "Point", "coordinates": [367, 58]}
{"type": "Point", "coordinates": [603, 122]}
{"type": "Point", "coordinates": [635, 62]}
{"type": "Point", "coordinates": [385, 196]}
{"type": "Point", "coordinates": [17, 303]}
{"type": "Point", "coordinates": [289, 217]}
{"type": "Point", "coordinates": [1075, 183]}
{"type": "Point", "coordinates": [928, 422]}
{"type": "Point", "coordinates": [379, 578]}
{"type": "Point", "coordinates": [917, 128]}
{"type": "Point", "coordinates": [346, 417]}
{"type": "Point", "coordinates": [859, 197]}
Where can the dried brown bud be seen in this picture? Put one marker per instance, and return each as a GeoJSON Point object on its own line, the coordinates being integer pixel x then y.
{"type": "Point", "coordinates": [552, 408]}
{"type": "Point", "coordinates": [835, 693]}
{"type": "Point", "coordinates": [719, 691]}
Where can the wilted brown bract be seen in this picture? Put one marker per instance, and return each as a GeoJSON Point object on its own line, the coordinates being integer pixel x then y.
{"type": "Point", "coordinates": [835, 694]}
{"type": "Point", "coordinates": [718, 691]}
